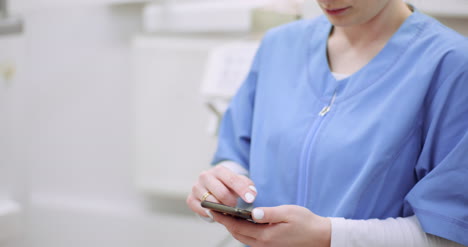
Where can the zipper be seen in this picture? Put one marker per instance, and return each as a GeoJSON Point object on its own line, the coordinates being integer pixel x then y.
{"type": "Point", "coordinates": [327, 108]}
{"type": "Point", "coordinates": [303, 182]}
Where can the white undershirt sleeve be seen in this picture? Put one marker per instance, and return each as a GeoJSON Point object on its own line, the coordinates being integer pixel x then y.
{"type": "Point", "coordinates": [384, 233]}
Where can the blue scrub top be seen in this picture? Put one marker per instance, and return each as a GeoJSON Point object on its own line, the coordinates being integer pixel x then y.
{"type": "Point", "coordinates": [395, 140]}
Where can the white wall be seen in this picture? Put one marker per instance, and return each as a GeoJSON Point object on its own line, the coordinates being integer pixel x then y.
{"type": "Point", "coordinates": [80, 66]}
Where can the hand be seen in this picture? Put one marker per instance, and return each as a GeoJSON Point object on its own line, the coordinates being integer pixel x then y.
{"type": "Point", "coordinates": [289, 225]}
{"type": "Point", "coordinates": [225, 186]}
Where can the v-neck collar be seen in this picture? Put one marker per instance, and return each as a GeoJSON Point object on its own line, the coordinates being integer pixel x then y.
{"type": "Point", "coordinates": [325, 85]}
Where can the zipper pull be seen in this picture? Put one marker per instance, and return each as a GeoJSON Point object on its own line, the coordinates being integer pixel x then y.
{"type": "Point", "coordinates": [327, 108]}
{"type": "Point", "coordinates": [324, 111]}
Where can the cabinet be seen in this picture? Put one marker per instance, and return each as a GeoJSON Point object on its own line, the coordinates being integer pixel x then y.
{"type": "Point", "coordinates": [172, 144]}
{"type": "Point", "coordinates": [12, 135]}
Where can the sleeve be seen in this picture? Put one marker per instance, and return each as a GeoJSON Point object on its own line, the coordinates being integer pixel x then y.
{"type": "Point", "coordinates": [440, 197]}
{"type": "Point", "coordinates": [384, 233]}
{"type": "Point", "coordinates": [236, 125]}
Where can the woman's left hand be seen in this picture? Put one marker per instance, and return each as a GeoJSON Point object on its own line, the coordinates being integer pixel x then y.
{"type": "Point", "coordinates": [289, 225]}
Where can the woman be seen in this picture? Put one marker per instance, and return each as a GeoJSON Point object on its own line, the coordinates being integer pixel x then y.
{"type": "Point", "coordinates": [353, 130]}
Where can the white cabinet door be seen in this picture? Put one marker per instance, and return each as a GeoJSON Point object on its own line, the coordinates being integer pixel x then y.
{"type": "Point", "coordinates": [171, 119]}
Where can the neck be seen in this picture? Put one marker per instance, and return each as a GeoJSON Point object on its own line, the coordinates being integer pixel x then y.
{"type": "Point", "coordinates": [379, 28]}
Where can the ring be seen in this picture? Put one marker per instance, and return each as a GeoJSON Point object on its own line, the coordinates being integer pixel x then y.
{"type": "Point", "coordinates": [206, 195]}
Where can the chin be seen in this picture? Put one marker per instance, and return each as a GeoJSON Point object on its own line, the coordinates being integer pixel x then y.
{"type": "Point", "coordinates": [340, 22]}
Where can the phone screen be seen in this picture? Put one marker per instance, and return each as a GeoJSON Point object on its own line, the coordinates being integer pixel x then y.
{"type": "Point", "coordinates": [236, 212]}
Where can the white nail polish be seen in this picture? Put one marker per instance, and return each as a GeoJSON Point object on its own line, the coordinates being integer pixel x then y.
{"type": "Point", "coordinates": [258, 213]}
{"type": "Point", "coordinates": [207, 219]}
{"type": "Point", "coordinates": [208, 212]}
{"type": "Point", "coordinates": [249, 197]}
{"type": "Point", "coordinates": [253, 188]}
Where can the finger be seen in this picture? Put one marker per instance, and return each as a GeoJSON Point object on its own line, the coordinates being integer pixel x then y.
{"type": "Point", "coordinates": [244, 239]}
{"type": "Point", "coordinates": [199, 191]}
{"type": "Point", "coordinates": [239, 226]}
{"type": "Point", "coordinates": [273, 214]}
{"type": "Point", "coordinates": [220, 193]}
{"type": "Point", "coordinates": [208, 219]}
{"type": "Point", "coordinates": [194, 205]}
{"type": "Point", "coordinates": [241, 185]}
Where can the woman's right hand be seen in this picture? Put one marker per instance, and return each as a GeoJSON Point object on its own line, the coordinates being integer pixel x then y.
{"type": "Point", "coordinates": [225, 187]}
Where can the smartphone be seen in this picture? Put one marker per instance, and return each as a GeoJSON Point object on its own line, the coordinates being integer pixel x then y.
{"type": "Point", "coordinates": [227, 210]}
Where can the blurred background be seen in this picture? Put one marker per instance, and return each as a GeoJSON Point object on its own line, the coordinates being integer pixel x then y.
{"type": "Point", "coordinates": [109, 110]}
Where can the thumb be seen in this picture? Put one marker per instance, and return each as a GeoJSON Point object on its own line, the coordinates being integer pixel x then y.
{"type": "Point", "coordinates": [272, 214]}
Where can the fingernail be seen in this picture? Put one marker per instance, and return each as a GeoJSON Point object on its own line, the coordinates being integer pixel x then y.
{"type": "Point", "coordinates": [258, 213]}
{"type": "Point", "coordinates": [249, 197]}
{"type": "Point", "coordinates": [208, 212]}
{"type": "Point", "coordinates": [207, 219]}
{"type": "Point", "coordinates": [253, 188]}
